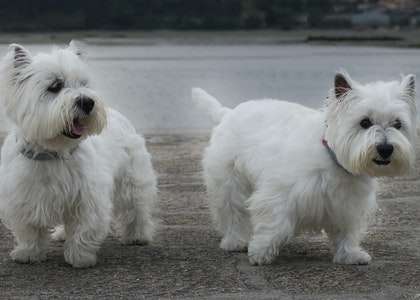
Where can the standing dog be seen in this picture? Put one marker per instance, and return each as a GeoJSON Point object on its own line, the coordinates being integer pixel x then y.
{"type": "Point", "coordinates": [274, 169]}
{"type": "Point", "coordinates": [69, 160]}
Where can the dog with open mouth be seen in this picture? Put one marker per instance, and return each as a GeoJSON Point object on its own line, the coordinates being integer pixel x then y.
{"type": "Point", "coordinates": [69, 161]}
{"type": "Point", "coordinates": [274, 169]}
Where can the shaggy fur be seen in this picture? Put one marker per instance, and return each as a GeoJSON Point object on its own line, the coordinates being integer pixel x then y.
{"type": "Point", "coordinates": [101, 170]}
{"type": "Point", "coordinates": [270, 174]}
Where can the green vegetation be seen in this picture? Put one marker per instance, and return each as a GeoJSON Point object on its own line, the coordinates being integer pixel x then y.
{"type": "Point", "coordinates": [38, 15]}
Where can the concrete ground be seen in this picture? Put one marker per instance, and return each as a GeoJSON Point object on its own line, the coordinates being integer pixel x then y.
{"type": "Point", "coordinates": [185, 261]}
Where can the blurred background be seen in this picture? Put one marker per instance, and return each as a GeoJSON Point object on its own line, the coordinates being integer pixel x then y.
{"type": "Point", "coordinates": [147, 54]}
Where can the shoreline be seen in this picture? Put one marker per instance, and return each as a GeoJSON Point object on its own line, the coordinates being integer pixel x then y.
{"type": "Point", "coordinates": [407, 38]}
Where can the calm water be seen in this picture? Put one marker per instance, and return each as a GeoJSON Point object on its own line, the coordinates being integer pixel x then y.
{"type": "Point", "coordinates": [151, 84]}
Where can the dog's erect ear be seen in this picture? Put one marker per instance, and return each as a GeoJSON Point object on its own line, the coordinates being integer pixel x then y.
{"type": "Point", "coordinates": [78, 48]}
{"type": "Point", "coordinates": [342, 85]}
{"type": "Point", "coordinates": [21, 56]}
{"type": "Point", "coordinates": [408, 86]}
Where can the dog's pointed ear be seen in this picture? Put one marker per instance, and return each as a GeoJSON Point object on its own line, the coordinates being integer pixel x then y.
{"type": "Point", "coordinates": [78, 48]}
{"type": "Point", "coordinates": [408, 86]}
{"type": "Point", "coordinates": [342, 84]}
{"type": "Point", "coordinates": [21, 56]}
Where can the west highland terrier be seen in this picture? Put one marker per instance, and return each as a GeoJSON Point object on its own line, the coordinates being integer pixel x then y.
{"type": "Point", "coordinates": [69, 160]}
{"type": "Point", "coordinates": [274, 169]}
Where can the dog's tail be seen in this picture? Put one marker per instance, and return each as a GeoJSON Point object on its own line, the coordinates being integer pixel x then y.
{"type": "Point", "coordinates": [207, 102]}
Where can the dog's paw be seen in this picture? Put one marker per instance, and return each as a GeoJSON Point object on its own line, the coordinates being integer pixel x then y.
{"type": "Point", "coordinates": [133, 235]}
{"type": "Point", "coordinates": [26, 256]}
{"type": "Point", "coordinates": [135, 241]}
{"type": "Point", "coordinates": [233, 245]}
{"type": "Point", "coordinates": [355, 257]}
{"type": "Point", "coordinates": [139, 239]}
{"type": "Point", "coordinates": [59, 234]}
{"type": "Point", "coordinates": [80, 259]}
{"type": "Point", "coordinates": [261, 255]}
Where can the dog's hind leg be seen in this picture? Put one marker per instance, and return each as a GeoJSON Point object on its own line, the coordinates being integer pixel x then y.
{"type": "Point", "coordinates": [135, 197]}
{"type": "Point", "coordinates": [227, 198]}
{"type": "Point", "coordinates": [32, 243]}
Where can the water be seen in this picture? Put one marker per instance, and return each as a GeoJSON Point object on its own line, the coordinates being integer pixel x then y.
{"type": "Point", "coordinates": [151, 84]}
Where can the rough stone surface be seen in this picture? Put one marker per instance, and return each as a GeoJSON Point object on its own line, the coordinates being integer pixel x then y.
{"type": "Point", "coordinates": [185, 261]}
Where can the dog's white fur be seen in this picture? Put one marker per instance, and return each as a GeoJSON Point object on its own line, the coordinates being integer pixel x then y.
{"type": "Point", "coordinates": [269, 176]}
{"type": "Point", "coordinates": [105, 175]}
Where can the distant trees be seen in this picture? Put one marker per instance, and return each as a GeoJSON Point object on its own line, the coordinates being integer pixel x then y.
{"type": "Point", "coordinates": [157, 14]}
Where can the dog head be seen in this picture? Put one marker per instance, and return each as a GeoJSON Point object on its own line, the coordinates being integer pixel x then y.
{"type": "Point", "coordinates": [372, 128]}
{"type": "Point", "coordinates": [49, 96]}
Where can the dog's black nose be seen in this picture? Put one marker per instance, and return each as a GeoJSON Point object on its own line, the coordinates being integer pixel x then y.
{"type": "Point", "coordinates": [385, 150]}
{"type": "Point", "coordinates": [85, 104]}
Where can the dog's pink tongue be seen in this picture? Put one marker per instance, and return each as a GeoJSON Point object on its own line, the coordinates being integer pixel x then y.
{"type": "Point", "coordinates": [77, 128]}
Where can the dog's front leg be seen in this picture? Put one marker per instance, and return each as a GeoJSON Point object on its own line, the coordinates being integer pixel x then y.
{"type": "Point", "coordinates": [272, 228]}
{"type": "Point", "coordinates": [346, 245]}
{"type": "Point", "coordinates": [267, 240]}
{"type": "Point", "coordinates": [32, 243]}
{"type": "Point", "coordinates": [347, 230]}
{"type": "Point", "coordinates": [86, 228]}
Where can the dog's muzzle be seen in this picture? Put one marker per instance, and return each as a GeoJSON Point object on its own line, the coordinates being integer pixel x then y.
{"type": "Point", "coordinates": [85, 106]}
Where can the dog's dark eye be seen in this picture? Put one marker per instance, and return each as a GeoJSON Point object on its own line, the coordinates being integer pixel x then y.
{"type": "Point", "coordinates": [397, 124]}
{"type": "Point", "coordinates": [84, 83]}
{"type": "Point", "coordinates": [366, 123]}
{"type": "Point", "coordinates": [56, 86]}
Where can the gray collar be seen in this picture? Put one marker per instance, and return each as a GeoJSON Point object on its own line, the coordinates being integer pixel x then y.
{"type": "Point", "coordinates": [333, 156]}
{"type": "Point", "coordinates": [42, 155]}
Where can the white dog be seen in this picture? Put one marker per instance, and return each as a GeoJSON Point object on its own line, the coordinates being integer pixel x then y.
{"type": "Point", "coordinates": [274, 169]}
{"type": "Point", "coordinates": [69, 160]}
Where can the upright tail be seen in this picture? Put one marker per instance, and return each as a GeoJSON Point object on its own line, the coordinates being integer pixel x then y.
{"type": "Point", "coordinates": [207, 102]}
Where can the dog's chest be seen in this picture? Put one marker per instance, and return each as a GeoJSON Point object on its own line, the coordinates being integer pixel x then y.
{"type": "Point", "coordinates": [307, 198]}
{"type": "Point", "coordinates": [59, 177]}
{"type": "Point", "coordinates": [47, 191]}
{"type": "Point", "coordinates": [329, 200]}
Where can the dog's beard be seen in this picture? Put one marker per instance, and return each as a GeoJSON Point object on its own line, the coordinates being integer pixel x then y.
{"type": "Point", "coordinates": [365, 160]}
